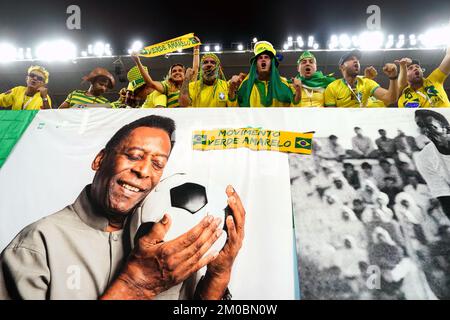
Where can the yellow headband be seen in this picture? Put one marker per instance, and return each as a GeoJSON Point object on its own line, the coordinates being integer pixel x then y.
{"type": "Point", "coordinates": [41, 70]}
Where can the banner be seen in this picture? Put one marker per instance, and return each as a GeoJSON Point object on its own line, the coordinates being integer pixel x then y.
{"type": "Point", "coordinates": [254, 139]}
{"type": "Point", "coordinates": [162, 48]}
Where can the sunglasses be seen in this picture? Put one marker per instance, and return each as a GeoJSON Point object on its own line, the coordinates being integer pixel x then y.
{"type": "Point", "coordinates": [37, 77]}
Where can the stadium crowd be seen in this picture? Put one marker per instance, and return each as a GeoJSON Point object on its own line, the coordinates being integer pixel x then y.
{"type": "Point", "coordinates": [204, 85]}
{"type": "Point", "coordinates": [372, 229]}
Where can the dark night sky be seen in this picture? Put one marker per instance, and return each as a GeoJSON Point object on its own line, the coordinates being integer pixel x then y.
{"type": "Point", "coordinates": [26, 23]}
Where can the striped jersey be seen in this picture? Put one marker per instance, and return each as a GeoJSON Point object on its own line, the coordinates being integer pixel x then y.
{"type": "Point", "coordinates": [80, 97]}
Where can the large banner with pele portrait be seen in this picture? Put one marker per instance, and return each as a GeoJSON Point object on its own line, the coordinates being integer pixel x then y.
{"type": "Point", "coordinates": [340, 204]}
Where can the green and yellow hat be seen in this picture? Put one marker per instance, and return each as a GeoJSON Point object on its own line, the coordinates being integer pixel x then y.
{"type": "Point", "coordinates": [264, 46]}
{"type": "Point", "coordinates": [135, 78]}
{"type": "Point", "coordinates": [306, 55]}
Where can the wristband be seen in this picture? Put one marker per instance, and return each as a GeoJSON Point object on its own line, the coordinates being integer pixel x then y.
{"type": "Point", "coordinates": [394, 78]}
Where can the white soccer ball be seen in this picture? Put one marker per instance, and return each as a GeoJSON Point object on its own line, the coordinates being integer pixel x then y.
{"type": "Point", "coordinates": [187, 199]}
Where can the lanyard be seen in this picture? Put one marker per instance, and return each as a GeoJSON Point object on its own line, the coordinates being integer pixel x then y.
{"type": "Point", "coordinates": [25, 105]}
{"type": "Point", "coordinates": [425, 97]}
{"type": "Point", "coordinates": [354, 93]}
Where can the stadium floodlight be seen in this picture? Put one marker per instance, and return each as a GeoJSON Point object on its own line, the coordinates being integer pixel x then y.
{"type": "Point", "coordinates": [300, 42]}
{"type": "Point", "coordinates": [217, 48]}
{"type": "Point", "coordinates": [285, 46]}
{"type": "Point", "coordinates": [334, 42]}
{"type": "Point", "coordinates": [345, 41]}
{"type": "Point", "coordinates": [390, 41]}
{"type": "Point", "coordinates": [136, 46]}
{"type": "Point", "coordinates": [255, 40]}
{"type": "Point", "coordinates": [90, 49]}
{"type": "Point", "coordinates": [316, 46]}
{"type": "Point", "coordinates": [437, 37]}
{"type": "Point", "coordinates": [108, 50]}
{"type": "Point", "coordinates": [290, 39]}
{"type": "Point", "coordinates": [8, 52]}
{"type": "Point", "coordinates": [240, 47]}
{"type": "Point", "coordinates": [310, 41]}
{"type": "Point", "coordinates": [371, 40]}
{"type": "Point", "coordinates": [99, 49]}
{"type": "Point", "coordinates": [28, 54]}
{"type": "Point", "coordinates": [401, 41]}
{"type": "Point", "coordinates": [207, 48]}
{"type": "Point", "coordinates": [20, 54]}
{"type": "Point", "coordinates": [355, 41]}
{"type": "Point", "coordinates": [56, 50]}
{"type": "Point", "coordinates": [412, 40]}
{"type": "Point", "coordinates": [84, 53]}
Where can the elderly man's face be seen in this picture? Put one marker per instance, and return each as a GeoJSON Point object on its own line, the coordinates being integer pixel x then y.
{"type": "Point", "coordinates": [126, 176]}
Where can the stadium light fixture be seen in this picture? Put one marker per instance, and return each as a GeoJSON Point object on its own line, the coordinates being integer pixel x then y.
{"type": "Point", "coordinates": [310, 41]}
{"type": "Point", "coordinates": [28, 54]}
{"type": "Point", "coordinates": [240, 47]}
{"type": "Point", "coordinates": [401, 41]}
{"type": "Point", "coordinates": [217, 48]}
{"type": "Point", "coordinates": [371, 40]}
{"type": "Point", "coordinates": [255, 40]}
{"type": "Point", "coordinates": [207, 48]}
{"type": "Point", "coordinates": [390, 41]}
{"type": "Point", "coordinates": [99, 49]}
{"type": "Point", "coordinates": [56, 50]}
{"type": "Point", "coordinates": [345, 41]}
{"type": "Point", "coordinates": [8, 52]}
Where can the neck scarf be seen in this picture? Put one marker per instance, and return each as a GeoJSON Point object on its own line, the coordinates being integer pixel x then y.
{"type": "Point", "coordinates": [276, 88]}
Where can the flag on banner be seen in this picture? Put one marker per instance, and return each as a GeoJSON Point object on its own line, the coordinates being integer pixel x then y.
{"type": "Point", "coordinates": [254, 139]}
{"type": "Point", "coordinates": [162, 48]}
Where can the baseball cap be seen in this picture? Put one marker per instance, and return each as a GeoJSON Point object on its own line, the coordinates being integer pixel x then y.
{"type": "Point", "coordinates": [348, 55]}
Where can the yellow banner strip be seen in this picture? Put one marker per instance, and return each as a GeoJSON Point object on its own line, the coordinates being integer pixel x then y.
{"type": "Point", "coordinates": [254, 139]}
{"type": "Point", "coordinates": [159, 49]}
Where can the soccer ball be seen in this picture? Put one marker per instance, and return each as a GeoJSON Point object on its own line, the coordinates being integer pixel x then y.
{"type": "Point", "coordinates": [187, 199]}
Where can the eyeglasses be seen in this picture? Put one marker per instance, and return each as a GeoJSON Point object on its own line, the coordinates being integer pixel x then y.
{"type": "Point", "coordinates": [37, 77]}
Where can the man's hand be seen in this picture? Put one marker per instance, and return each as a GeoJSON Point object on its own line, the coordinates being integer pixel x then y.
{"type": "Point", "coordinates": [155, 266]}
{"type": "Point", "coordinates": [390, 69]}
{"type": "Point", "coordinates": [404, 62]}
{"type": "Point", "coordinates": [189, 74]}
{"type": "Point", "coordinates": [197, 47]}
{"type": "Point", "coordinates": [236, 81]}
{"type": "Point", "coordinates": [370, 72]}
{"type": "Point", "coordinates": [297, 83]}
{"type": "Point", "coordinates": [135, 56]}
{"type": "Point", "coordinates": [219, 270]}
{"type": "Point", "coordinates": [43, 92]}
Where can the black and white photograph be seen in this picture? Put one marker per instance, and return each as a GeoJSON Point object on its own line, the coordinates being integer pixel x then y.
{"type": "Point", "coordinates": [371, 207]}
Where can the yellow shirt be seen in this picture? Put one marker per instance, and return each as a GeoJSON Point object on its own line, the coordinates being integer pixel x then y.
{"type": "Point", "coordinates": [16, 99]}
{"type": "Point", "coordinates": [340, 95]}
{"type": "Point", "coordinates": [431, 94]}
{"type": "Point", "coordinates": [311, 97]}
{"type": "Point", "coordinates": [208, 96]}
{"type": "Point", "coordinates": [155, 99]}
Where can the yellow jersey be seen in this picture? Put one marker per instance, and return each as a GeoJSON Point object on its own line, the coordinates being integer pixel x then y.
{"type": "Point", "coordinates": [339, 94]}
{"type": "Point", "coordinates": [311, 97]}
{"type": "Point", "coordinates": [17, 100]}
{"type": "Point", "coordinates": [155, 100]}
{"type": "Point", "coordinates": [430, 95]}
{"type": "Point", "coordinates": [202, 95]}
